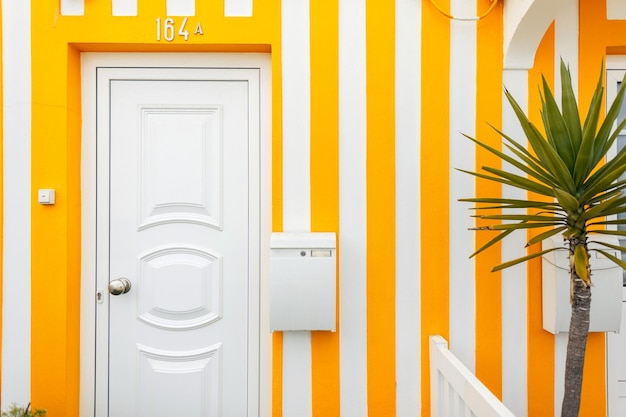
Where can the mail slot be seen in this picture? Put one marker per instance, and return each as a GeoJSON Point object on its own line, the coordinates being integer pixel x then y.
{"type": "Point", "coordinates": [303, 281]}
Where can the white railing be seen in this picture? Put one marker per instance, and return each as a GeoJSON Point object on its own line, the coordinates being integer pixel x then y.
{"type": "Point", "coordinates": [455, 391]}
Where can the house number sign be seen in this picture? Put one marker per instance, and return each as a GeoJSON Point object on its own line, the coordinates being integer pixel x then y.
{"type": "Point", "coordinates": [167, 29]}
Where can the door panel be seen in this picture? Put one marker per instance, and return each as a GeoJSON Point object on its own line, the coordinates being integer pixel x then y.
{"type": "Point", "coordinates": [179, 231]}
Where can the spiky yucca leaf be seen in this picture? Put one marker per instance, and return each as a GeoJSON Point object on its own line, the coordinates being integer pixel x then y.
{"type": "Point", "coordinates": [566, 165]}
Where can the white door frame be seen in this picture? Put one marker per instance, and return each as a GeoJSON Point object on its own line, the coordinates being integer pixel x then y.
{"type": "Point", "coordinates": [260, 368]}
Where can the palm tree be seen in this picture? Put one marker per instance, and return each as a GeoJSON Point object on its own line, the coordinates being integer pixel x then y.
{"type": "Point", "coordinates": [574, 192]}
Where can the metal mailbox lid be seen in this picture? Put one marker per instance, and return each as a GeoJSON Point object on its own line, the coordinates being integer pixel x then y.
{"type": "Point", "coordinates": [314, 240]}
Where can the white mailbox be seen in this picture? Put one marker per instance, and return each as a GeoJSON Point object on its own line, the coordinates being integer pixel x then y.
{"type": "Point", "coordinates": [303, 281]}
{"type": "Point", "coordinates": [606, 293]}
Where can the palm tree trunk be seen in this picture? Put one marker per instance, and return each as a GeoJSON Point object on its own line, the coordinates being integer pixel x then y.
{"type": "Point", "coordinates": [576, 344]}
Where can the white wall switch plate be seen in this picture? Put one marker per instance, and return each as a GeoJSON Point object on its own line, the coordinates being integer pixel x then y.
{"type": "Point", "coordinates": [45, 196]}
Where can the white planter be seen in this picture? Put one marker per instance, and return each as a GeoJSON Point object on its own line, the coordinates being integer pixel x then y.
{"type": "Point", "coordinates": [606, 293]}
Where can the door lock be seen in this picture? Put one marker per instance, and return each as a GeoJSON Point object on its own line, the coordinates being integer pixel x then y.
{"type": "Point", "coordinates": [119, 286]}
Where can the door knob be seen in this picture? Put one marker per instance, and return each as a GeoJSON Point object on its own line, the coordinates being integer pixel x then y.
{"type": "Point", "coordinates": [119, 286]}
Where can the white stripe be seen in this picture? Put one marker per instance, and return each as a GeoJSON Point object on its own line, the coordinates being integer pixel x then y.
{"type": "Point", "coordinates": [180, 7]}
{"type": "Point", "coordinates": [615, 10]}
{"type": "Point", "coordinates": [352, 209]}
{"type": "Point", "coordinates": [296, 116]}
{"type": "Point", "coordinates": [407, 93]}
{"type": "Point", "coordinates": [297, 381]}
{"type": "Point", "coordinates": [124, 7]}
{"type": "Point", "coordinates": [514, 280]}
{"type": "Point", "coordinates": [238, 8]}
{"type": "Point", "coordinates": [566, 48]}
{"type": "Point", "coordinates": [16, 291]}
{"type": "Point", "coordinates": [566, 45]}
{"type": "Point", "coordinates": [462, 155]}
{"type": "Point", "coordinates": [72, 7]}
{"type": "Point", "coordinates": [296, 77]}
{"type": "Point", "coordinates": [560, 351]}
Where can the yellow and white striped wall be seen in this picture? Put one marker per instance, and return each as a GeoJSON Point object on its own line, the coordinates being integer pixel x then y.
{"type": "Point", "coordinates": [369, 99]}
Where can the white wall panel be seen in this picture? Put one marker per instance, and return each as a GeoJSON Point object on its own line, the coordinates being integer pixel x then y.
{"type": "Point", "coordinates": [296, 78]}
{"type": "Point", "coordinates": [238, 8]}
{"type": "Point", "coordinates": [180, 7]}
{"type": "Point", "coordinates": [408, 91]}
{"type": "Point", "coordinates": [462, 155]}
{"type": "Point", "coordinates": [124, 7]}
{"type": "Point", "coordinates": [514, 280]}
{"type": "Point", "coordinates": [296, 59]}
{"type": "Point", "coordinates": [72, 7]}
{"type": "Point", "coordinates": [616, 9]}
{"type": "Point", "coordinates": [352, 209]}
{"type": "Point", "coordinates": [16, 256]}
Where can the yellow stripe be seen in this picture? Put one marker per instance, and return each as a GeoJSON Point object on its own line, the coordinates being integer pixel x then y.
{"type": "Point", "coordinates": [540, 343]}
{"type": "Point", "coordinates": [277, 215]}
{"type": "Point", "coordinates": [56, 161]}
{"type": "Point", "coordinates": [1, 194]}
{"type": "Point", "coordinates": [55, 281]}
{"type": "Point", "coordinates": [380, 188]}
{"type": "Point", "coordinates": [325, 184]}
{"type": "Point", "coordinates": [277, 374]}
{"type": "Point", "coordinates": [597, 34]}
{"type": "Point", "coordinates": [488, 284]}
{"type": "Point", "coordinates": [434, 183]}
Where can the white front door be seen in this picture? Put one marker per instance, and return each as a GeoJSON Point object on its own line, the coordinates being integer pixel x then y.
{"type": "Point", "coordinates": [177, 219]}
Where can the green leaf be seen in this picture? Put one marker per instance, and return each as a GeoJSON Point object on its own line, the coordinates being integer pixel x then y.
{"type": "Point", "coordinates": [602, 179]}
{"type": "Point", "coordinates": [593, 114]}
{"type": "Point", "coordinates": [534, 137]}
{"type": "Point", "coordinates": [515, 144]}
{"type": "Point", "coordinates": [518, 226]}
{"type": "Point", "coordinates": [508, 201]}
{"type": "Point", "coordinates": [614, 210]}
{"type": "Point", "coordinates": [585, 158]}
{"type": "Point", "coordinates": [538, 171]}
{"type": "Point", "coordinates": [616, 189]}
{"type": "Point", "coordinates": [545, 235]}
{"type": "Point", "coordinates": [527, 169]}
{"type": "Point", "coordinates": [610, 232]}
{"type": "Point", "coordinates": [503, 180]}
{"type": "Point", "coordinates": [603, 209]}
{"type": "Point", "coordinates": [567, 201]}
{"type": "Point", "coordinates": [492, 242]}
{"type": "Point", "coordinates": [555, 128]}
{"type": "Point", "coordinates": [601, 153]}
{"type": "Point", "coordinates": [526, 217]}
{"type": "Point", "coordinates": [603, 142]}
{"type": "Point", "coordinates": [609, 222]}
{"type": "Point", "coordinates": [532, 204]}
{"type": "Point", "coordinates": [608, 245]}
{"type": "Point", "coordinates": [581, 263]}
{"type": "Point", "coordinates": [520, 182]}
{"type": "Point", "coordinates": [616, 260]}
{"type": "Point", "coordinates": [552, 161]}
{"type": "Point", "coordinates": [523, 259]}
{"type": "Point", "coordinates": [570, 108]}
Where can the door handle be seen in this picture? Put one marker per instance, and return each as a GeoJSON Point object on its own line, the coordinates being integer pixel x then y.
{"type": "Point", "coordinates": [119, 286]}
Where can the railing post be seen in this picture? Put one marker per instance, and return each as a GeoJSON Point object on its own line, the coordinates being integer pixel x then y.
{"type": "Point", "coordinates": [435, 343]}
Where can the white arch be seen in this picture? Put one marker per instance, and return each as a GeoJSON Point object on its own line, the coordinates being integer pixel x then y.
{"type": "Point", "coordinates": [525, 23]}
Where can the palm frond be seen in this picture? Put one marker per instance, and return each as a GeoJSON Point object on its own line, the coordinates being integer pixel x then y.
{"type": "Point", "coordinates": [556, 128]}
{"type": "Point", "coordinates": [564, 164]}
{"type": "Point", "coordinates": [542, 236]}
{"type": "Point", "coordinates": [570, 109]}
{"type": "Point", "coordinates": [523, 259]}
